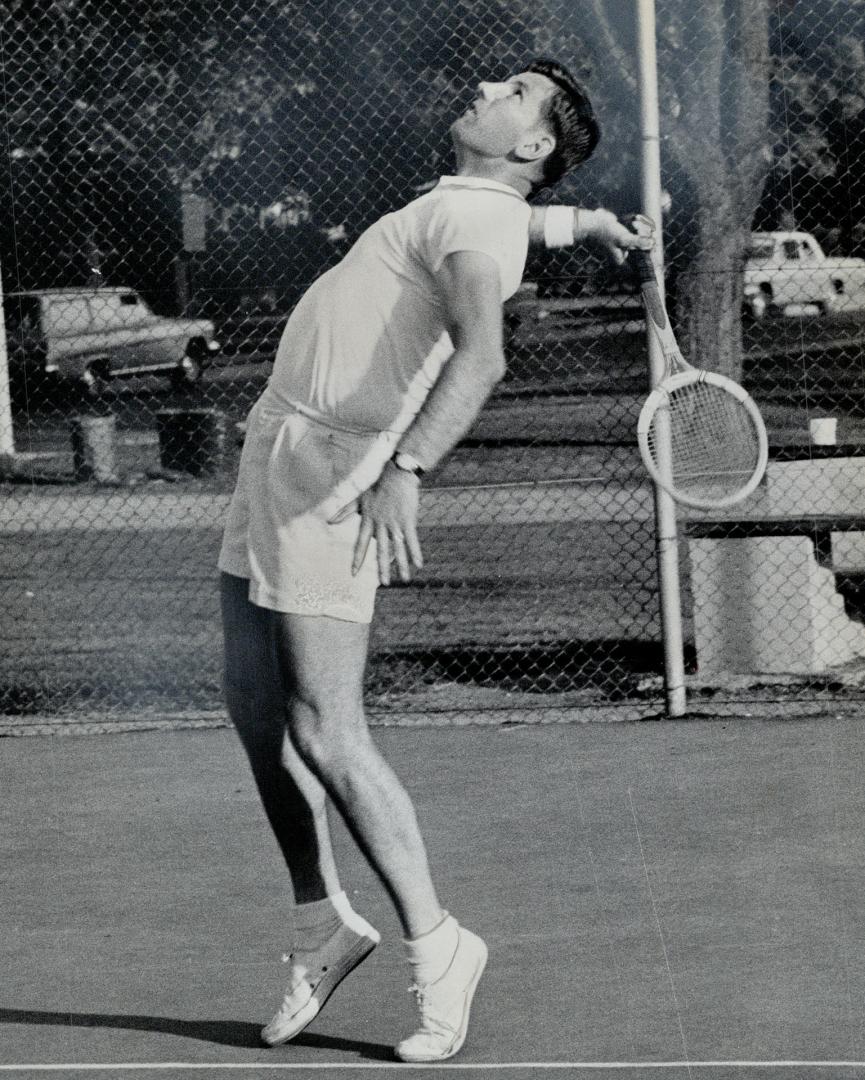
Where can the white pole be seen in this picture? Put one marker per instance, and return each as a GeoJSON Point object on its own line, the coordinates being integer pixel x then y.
{"type": "Point", "coordinates": [7, 437]}
{"type": "Point", "coordinates": [665, 509]}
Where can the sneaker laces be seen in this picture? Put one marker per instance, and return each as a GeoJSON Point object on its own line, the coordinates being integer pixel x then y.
{"type": "Point", "coordinates": [435, 1025]}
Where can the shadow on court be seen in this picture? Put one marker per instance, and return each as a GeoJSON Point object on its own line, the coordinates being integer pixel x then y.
{"type": "Point", "coordinates": [220, 1032]}
{"type": "Point", "coordinates": [664, 894]}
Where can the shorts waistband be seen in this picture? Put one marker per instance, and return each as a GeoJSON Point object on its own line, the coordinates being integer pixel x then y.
{"type": "Point", "coordinates": [317, 417]}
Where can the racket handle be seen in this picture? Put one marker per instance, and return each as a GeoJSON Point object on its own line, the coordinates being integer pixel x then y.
{"type": "Point", "coordinates": [644, 266]}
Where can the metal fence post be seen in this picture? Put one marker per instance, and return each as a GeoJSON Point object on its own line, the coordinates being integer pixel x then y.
{"type": "Point", "coordinates": [7, 436]}
{"type": "Point", "coordinates": [665, 510]}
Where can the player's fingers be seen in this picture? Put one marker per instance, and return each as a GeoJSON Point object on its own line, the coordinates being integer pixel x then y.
{"type": "Point", "coordinates": [361, 545]}
{"type": "Point", "coordinates": [640, 224]}
{"type": "Point", "coordinates": [401, 556]}
{"type": "Point", "coordinates": [413, 545]}
{"type": "Point", "coordinates": [639, 243]}
{"type": "Point", "coordinates": [345, 512]}
{"type": "Point", "coordinates": [383, 545]}
{"type": "Point", "coordinates": [641, 240]}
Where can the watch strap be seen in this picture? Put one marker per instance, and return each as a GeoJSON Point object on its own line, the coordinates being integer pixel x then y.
{"type": "Point", "coordinates": [406, 463]}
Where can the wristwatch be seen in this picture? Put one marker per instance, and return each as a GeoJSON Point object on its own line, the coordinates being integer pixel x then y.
{"type": "Point", "coordinates": [407, 463]}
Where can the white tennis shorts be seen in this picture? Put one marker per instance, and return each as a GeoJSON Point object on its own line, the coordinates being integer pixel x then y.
{"type": "Point", "coordinates": [295, 474]}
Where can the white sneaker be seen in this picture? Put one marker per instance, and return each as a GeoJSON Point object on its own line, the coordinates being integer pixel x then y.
{"type": "Point", "coordinates": [444, 1005]}
{"type": "Point", "coordinates": [315, 974]}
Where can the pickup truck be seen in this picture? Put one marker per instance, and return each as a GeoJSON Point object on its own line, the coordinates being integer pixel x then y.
{"type": "Point", "coordinates": [90, 336]}
{"type": "Point", "coordinates": [787, 268]}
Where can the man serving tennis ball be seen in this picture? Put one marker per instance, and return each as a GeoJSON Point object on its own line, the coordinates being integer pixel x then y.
{"type": "Point", "coordinates": [382, 368]}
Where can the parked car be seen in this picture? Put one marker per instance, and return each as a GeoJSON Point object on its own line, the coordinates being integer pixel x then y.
{"type": "Point", "coordinates": [89, 336]}
{"type": "Point", "coordinates": [784, 268]}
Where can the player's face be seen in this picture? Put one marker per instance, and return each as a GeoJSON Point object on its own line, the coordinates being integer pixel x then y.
{"type": "Point", "coordinates": [507, 118]}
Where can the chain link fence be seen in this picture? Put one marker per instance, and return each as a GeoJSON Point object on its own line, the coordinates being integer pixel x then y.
{"type": "Point", "coordinates": [765, 245]}
{"type": "Point", "coordinates": [174, 177]}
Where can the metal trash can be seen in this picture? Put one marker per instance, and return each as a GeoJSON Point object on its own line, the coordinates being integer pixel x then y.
{"type": "Point", "coordinates": [93, 449]}
{"type": "Point", "coordinates": [191, 440]}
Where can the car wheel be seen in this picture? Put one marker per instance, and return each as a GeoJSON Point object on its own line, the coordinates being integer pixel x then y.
{"type": "Point", "coordinates": [837, 299]}
{"type": "Point", "coordinates": [93, 382]}
{"type": "Point", "coordinates": [188, 371]}
{"type": "Point", "coordinates": [757, 304]}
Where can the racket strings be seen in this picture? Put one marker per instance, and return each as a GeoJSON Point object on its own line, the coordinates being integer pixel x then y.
{"type": "Point", "coordinates": [714, 443]}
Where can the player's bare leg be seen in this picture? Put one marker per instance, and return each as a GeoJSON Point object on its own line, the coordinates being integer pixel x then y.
{"type": "Point", "coordinates": [293, 799]}
{"type": "Point", "coordinates": [324, 661]}
{"type": "Point", "coordinates": [330, 939]}
{"type": "Point", "coordinates": [323, 664]}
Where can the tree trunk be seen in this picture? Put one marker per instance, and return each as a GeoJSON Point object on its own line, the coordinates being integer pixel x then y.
{"type": "Point", "coordinates": [714, 71]}
{"type": "Point", "coordinates": [710, 295]}
{"type": "Point", "coordinates": [724, 147]}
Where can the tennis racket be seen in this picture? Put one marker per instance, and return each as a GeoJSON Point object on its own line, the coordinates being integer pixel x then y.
{"type": "Point", "coordinates": [700, 434]}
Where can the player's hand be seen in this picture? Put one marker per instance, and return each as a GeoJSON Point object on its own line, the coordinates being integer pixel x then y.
{"type": "Point", "coordinates": [619, 238]}
{"type": "Point", "coordinates": [388, 512]}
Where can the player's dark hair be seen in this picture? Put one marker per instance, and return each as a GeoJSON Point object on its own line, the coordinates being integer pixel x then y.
{"type": "Point", "coordinates": [570, 116]}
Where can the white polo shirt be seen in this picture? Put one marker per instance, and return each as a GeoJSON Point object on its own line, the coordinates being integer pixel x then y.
{"type": "Point", "coordinates": [360, 352]}
{"type": "Point", "coordinates": [367, 342]}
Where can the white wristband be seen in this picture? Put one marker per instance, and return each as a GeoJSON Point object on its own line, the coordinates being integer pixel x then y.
{"type": "Point", "coordinates": [558, 226]}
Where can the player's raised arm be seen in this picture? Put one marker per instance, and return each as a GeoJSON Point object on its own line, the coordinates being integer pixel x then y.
{"type": "Point", "coordinates": [470, 290]}
{"type": "Point", "coordinates": [564, 226]}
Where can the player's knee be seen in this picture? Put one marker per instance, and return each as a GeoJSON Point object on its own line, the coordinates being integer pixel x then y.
{"type": "Point", "coordinates": [310, 727]}
{"type": "Point", "coordinates": [328, 739]}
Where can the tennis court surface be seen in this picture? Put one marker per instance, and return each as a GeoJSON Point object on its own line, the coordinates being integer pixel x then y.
{"type": "Point", "coordinates": [657, 897]}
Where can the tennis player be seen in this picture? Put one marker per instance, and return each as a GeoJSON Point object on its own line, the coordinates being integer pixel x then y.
{"type": "Point", "coordinates": [382, 368]}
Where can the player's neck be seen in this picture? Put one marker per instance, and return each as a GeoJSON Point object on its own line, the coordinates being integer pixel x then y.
{"type": "Point", "coordinates": [502, 171]}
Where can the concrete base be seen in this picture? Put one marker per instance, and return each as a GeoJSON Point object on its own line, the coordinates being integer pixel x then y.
{"type": "Point", "coordinates": [764, 604]}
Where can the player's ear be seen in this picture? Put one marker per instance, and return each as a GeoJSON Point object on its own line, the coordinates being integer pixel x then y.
{"type": "Point", "coordinates": [535, 147]}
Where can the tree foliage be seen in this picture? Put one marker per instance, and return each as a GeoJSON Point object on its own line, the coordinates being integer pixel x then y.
{"type": "Point", "coordinates": [340, 107]}
{"type": "Point", "coordinates": [300, 122]}
{"type": "Point", "coordinates": [818, 120]}
{"type": "Point", "coordinates": [713, 75]}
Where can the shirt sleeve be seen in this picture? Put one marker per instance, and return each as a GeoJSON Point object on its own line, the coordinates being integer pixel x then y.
{"type": "Point", "coordinates": [494, 224]}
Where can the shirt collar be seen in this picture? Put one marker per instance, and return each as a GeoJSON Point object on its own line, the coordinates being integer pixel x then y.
{"type": "Point", "coordinates": [480, 182]}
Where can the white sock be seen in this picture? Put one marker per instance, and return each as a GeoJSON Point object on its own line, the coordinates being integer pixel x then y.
{"type": "Point", "coordinates": [319, 920]}
{"type": "Point", "coordinates": [431, 953]}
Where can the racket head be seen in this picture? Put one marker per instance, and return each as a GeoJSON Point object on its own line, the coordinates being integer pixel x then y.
{"type": "Point", "coordinates": [716, 439]}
